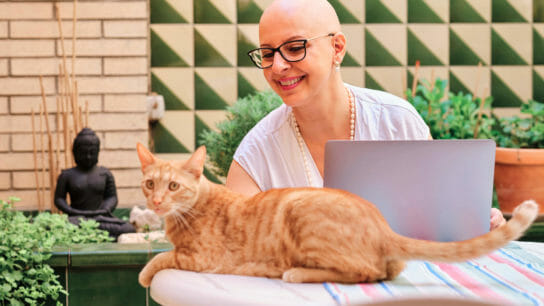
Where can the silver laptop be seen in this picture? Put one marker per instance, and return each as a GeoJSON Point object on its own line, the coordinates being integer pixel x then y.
{"type": "Point", "coordinates": [437, 190]}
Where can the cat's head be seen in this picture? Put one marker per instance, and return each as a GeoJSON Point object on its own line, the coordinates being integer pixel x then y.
{"type": "Point", "coordinates": [171, 186]}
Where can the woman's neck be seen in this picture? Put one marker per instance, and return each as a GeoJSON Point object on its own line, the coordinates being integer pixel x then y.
{"type": "Point", "coordinates": [326, 117]}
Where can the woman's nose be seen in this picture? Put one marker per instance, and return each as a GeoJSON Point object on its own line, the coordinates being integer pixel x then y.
{"type": "Point", "coordinates": [279, 64]}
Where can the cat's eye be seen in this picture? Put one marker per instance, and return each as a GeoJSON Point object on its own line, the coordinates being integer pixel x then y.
{"type": "Point", "coordinates": [149, 184]}
{"type": "Point", "coordinates": [173, 186]}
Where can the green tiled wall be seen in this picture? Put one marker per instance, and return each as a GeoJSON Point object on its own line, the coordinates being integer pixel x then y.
{"type": "Point", "coordinates": [199, 61]}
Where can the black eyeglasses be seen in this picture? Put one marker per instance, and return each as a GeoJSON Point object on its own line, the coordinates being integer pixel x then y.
{"type": "Point", "coordinates": [291, 51]}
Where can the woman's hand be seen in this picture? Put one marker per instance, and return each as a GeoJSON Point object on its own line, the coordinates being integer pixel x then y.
{"type": "Point", "coordinates": [497, 219]}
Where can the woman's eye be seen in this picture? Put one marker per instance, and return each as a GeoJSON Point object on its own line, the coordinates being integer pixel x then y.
{"type": "Point", "coordinates": [295, 48]}
{"type": "Point", "coordinates": [173, 186]}
{"type": "Point", "coordinates": [149, 184]}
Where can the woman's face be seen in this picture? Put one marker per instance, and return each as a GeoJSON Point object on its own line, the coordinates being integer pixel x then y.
{"type": "Point", "coordinates": [297, 82]}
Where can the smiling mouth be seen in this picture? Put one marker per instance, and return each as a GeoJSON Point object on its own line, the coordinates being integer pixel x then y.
{"type": "Point", "coordinates": [290, 82]}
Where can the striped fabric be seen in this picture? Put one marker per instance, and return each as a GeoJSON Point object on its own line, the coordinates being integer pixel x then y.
{"type": "Point", "coordinates": [511, 275]}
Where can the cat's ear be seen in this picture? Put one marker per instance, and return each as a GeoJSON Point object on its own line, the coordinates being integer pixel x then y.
{"type": "Point", "coordinates": [146, 157]}
{"type": "Point", "coordinates": [195, 164]}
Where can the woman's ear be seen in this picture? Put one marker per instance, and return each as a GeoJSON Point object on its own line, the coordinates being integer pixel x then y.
{"type": "Point", "coordinates": [339, 45]}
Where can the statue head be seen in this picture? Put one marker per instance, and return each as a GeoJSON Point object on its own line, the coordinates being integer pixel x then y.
{"type": "Point", "coordinates": [85, 149]}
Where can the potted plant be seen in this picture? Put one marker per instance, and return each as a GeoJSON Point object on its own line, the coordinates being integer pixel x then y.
{"type": "Point", "coordinates": [460, 116]}
{"type": "Point", "coordinates": [519, 158]}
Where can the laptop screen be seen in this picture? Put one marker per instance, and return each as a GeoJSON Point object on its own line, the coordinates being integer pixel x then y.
{"type": "Point", "coordinates": [427, 189]}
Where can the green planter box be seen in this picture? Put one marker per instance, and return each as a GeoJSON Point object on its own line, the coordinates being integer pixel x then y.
{"type": "Point", "coordinates": [105, 273]}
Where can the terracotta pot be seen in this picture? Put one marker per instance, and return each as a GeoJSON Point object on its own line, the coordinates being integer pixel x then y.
{"type": "Point", "coordinates": [519, 176]}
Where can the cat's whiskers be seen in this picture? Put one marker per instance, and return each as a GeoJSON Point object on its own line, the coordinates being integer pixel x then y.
{"type": "Point", "coordinates": [187, 225]}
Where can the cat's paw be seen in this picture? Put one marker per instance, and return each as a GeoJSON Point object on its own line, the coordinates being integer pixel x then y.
{"type": "Point", "coordinates": [145, 279]}
{"type": "Point", "coordinates": [293, 276]}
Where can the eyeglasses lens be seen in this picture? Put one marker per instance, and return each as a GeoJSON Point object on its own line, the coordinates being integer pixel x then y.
{"type": "Point", "coordinates": [290, 51]}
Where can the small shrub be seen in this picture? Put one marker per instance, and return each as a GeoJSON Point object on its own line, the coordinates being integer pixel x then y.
{"type": "Point", "coordinates": [241, 117]}
{"type": "Point", "coordinates": [25, 278]}
{"type": "Point", "coordinates": [517, 132]}
{"type": "Point", "coordinates": [457, 117]}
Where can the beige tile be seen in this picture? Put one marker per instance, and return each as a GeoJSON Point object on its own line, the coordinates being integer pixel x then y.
{"type": "Point", "coordinates": [128, 28]}
{"type": "Point", "coordinates": [181, 81]}
{"type": "Point", "coordinates": [50, 66]}
{"type": "Point", "coordinates": [125, 140]}
{"type": "Point", "coordinates": [118, 122]}
{"type": "Point", "coordinates": [105, 10]}
{"type": "Point", "coordinates": [105, 47]}
{"type": "Point", "coordinates": [126, 65]}
{"type": "Point", "coordinates": [26, 48]}
{"type": "Point", "coordinates": [518, 36]}
{"type": "Point", "coordinates": [180, 39]}
{"type": "Point", "coordinates": [5, 181]}
{"type": "Point", "coordinates": [28, 10]}
{"type": "Point", "coordinates": [517, 79]}
{"type": "Point", "coordinates": [25, 85]}
{"type": "Point", "coordinates": [50, 29]}
{"type": "Point", "coordinates": [25, 104]}
{"type": "Point", "coordinates": [125, 103]}
{"type": "Point", "coordinates": [106, 85]}
{"type": "Point", "coordinates": [4, 109]}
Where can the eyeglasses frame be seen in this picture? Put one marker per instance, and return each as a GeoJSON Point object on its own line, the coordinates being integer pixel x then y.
{"type": "Point", "coordinates": [274, 50]}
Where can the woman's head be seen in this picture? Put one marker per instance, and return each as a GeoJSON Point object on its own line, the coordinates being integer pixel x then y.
{"type": "Point", "coordinates": [85, 148]}
{"type": "Point", "coordinates": [287, 20]}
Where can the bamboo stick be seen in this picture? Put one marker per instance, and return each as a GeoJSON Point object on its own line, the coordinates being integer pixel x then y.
{"type": "Point", "coordinates": [43, 159]}
{"type": "Point", "coordinates": [76, 114]}
{"type": "Point", "coordinates": [482, 103]}
{"type": "Point", "coordinates": [80, 112]}
{"type": "Point", "coordinates": [57, 159]}
{"type": "Point", "coordinates": [478, 75]}
{"type": "Point", "coordinates": [64, 108]}
{"type": "Point", "coordinates": [414, 82]}
{"type": "Point", "coordinates": [52, 170]}
{"type": "Point", "coordinates": [61, 39]}
{"type": "Point", "coordinates": [74, 38]}
{"type": "Point", "coordinates": [431, 90]}
{"type": "Point", "coordinates": [35, 155]}
{"type": "Point", "coordinates": [86, 113]}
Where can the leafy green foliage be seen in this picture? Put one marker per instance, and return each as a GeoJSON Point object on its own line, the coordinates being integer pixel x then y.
{"type": "Point", "coordinates": [25, 278]}
{"type": "Point", "coordinates": [456, 117]}
{"type": "Point", "coordinates": [526, 132]}
{"type": "Point", "coordinates": [241, 117]}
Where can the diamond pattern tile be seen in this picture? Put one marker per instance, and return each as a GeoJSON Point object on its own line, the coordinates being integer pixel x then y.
{"type": "Point", "coordinates": [200, 65]}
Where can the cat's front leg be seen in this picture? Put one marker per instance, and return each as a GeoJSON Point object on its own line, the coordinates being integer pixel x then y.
{"type": "Point", "coordinates": [159, 262]}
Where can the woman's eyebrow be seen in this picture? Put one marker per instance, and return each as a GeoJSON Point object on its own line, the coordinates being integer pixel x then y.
{"type": "Point", "coordinates": [294, 37]}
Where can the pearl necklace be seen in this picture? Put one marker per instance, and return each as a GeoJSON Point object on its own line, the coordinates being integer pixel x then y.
{"type": "Point", "coordinates": [300, 140]}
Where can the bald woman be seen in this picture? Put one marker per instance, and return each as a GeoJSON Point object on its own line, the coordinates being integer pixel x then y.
{"type": "Point", "coordinates": [301, 50]}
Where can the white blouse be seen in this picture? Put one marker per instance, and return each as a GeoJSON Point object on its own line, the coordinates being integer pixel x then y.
{"type": "Point", "coordinates": [270, 154]}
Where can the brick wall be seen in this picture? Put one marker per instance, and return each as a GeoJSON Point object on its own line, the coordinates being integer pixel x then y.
{"type": "Point", "coordinates": [112, 74]}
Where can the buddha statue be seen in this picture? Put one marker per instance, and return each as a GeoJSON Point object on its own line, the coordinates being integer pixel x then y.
{"type": "Point", "coordinates": [91, 188]}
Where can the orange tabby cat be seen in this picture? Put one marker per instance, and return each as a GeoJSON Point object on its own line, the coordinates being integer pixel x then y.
{"type": "Point", "coordinates": [298, 234]}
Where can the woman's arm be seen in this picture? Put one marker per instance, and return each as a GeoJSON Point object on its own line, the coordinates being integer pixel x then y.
{"type": "Point", "coordinates": [239, 181]}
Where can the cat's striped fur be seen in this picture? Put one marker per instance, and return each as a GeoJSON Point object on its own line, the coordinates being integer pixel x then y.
{"type": "Point", "coordinates": [297, 234]}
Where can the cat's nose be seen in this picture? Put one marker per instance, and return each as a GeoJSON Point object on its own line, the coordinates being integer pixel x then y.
{"type": "Point", "coordinates": [157, 202]}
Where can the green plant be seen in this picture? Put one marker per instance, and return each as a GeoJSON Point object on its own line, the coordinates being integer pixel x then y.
{"type": "Point", "coordinates": [241, 117]}
{"type": "Point", "coordinates": [461, 116]}
{"type": "Point", "coordinates": [522, 132]}
{"type": "Point", "coordinates": [25, 278]}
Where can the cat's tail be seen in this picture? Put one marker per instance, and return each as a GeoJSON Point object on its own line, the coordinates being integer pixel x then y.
{"type": "Point", "coordinates": [407, 248]}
